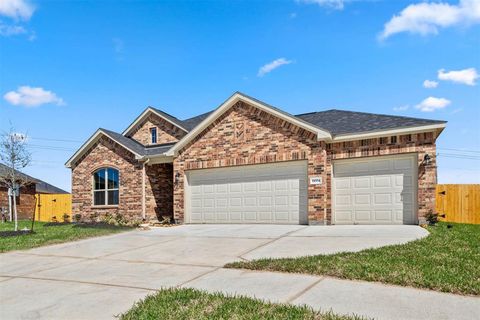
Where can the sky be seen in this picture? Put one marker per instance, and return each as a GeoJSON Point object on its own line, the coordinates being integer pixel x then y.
{"type": "Point", "coordinates": [70, 67]}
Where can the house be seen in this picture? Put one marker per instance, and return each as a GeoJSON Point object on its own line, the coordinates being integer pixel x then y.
{"type": "Point", "coordinates": [249, 162]}
{"type": "Point", "coordinates": [26, 199]}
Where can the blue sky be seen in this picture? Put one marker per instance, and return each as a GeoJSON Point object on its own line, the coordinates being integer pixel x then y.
{"type": "Point", "coordinates": [69, 67]}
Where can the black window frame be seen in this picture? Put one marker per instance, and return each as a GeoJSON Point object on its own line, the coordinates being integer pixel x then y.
{"type": "Point", "coordinates": [107, 189]}
{"type": "Point", "coordinates": [153, 135]}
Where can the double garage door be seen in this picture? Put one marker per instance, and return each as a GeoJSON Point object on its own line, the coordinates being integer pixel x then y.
{"type": "Point", "coordinates": [270, 193]}
{"type": "Point", "coordinates": [376, 190]}
{"type": "Point", "coordinates": [380, 190]}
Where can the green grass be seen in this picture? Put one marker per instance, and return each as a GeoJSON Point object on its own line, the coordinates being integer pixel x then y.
{"type": "Point", "coordinates": [448, 260]}
{"type": "Point", "coordinates": [48, 233]}
{"type": "Point", "coordinates": [193, 304]}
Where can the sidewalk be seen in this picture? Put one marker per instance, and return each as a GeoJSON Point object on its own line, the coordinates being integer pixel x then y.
{"type": "Point", "coordinates": [370, 299]}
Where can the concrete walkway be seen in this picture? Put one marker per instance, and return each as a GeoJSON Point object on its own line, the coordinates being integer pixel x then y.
{"type": "Point", "coordinates": [101, 277]}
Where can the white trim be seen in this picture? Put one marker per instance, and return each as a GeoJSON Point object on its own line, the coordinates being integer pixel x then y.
{"type": "Point", "coordinates": [321, 134]}
{"type": "Point", "coordinates": [90, 142]}
{"type": "Point", "coordinates": [376, 134]}
{"type": "Point", "coordinates": [144, 114]}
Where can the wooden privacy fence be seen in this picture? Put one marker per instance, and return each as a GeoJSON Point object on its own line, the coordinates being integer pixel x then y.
{"type": "Point", "coordinates": [53, 207]}
{"type": "Point", "coordinates": [458, 202]}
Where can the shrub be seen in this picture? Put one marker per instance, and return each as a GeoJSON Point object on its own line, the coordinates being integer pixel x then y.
{"type": "Point", "coordinates": [432, 218]}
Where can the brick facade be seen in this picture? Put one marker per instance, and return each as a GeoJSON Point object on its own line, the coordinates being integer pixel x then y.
{"type": "Point", "coordinates": [243, 135]}
{"type": "Point", "coordinates": [166, 132]}
{"type": "Point", "coordinates": [106, 153]}
{"type": "Point", "coordinates": [25, 202]}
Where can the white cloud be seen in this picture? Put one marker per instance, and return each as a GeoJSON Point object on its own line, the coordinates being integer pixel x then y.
{"type": "Point", "coordinates": [269, 67]}
{"type": "Point", "coordinates": [431, 104]}
{"type": "Point", "coordinates": [401, 108]}
{"type": "Point", "coordinates": [430, 84]}
{"type": "Point", "coordinates": [32, 97]}
{"type": "Point", "coordinates": [466, 76]}
{"type": "Point", "coordinates": [16, 9]}
{"type": "Point", "coordinates": [427, 17]}
{"type": "Point", "coordinates": [7, 30]}
{"type": "Point", "coordinates": [333, 4]}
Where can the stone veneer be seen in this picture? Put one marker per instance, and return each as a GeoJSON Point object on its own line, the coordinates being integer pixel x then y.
{"type": "Point", "coordinates": [166, 132]}
{"type": "Point", "coordinates": [106, 153]}
{"type": "Point", "coordinates": [245, 135]}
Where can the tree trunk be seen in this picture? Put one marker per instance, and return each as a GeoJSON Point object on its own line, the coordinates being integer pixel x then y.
{"type": "Point", "coordinates": [10, 216]}
{"type": "Point", "coordinates": [15, 212]}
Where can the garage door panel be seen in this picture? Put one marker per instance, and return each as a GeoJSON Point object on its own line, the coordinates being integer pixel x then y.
{"type": "Point", "coordinates": [382, 182]}
{"type": "Point", "coordinates": [363, 199]}
{"type": "Point", "coordinates": [361, 182]}
{"type": "Point", "coordinates": [274, 193]}
{"type": "Point", "coordinates": [383, 215]}
{"type": "Point", "coordinates": [374, 191]}
{"type": "Point", "coordinates": [363, 215]}
{"type": "Point", "coordinates": [343, 200]}
{"type": "Point", "coordinates": [342, 184]}
{"type": "Point", "coordinates": [344, 215]}
{"type": "Point", "coordinates": [382, 198]}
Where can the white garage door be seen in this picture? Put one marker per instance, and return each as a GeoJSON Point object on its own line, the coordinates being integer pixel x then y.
{"type": "Point", "coordinates": [270, 193]}
{"type": "Point", "coordinates": [379, 190]}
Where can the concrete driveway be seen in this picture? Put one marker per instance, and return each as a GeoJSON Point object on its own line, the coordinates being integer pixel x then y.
{"type": "Point", "coordinates": [100, 277]}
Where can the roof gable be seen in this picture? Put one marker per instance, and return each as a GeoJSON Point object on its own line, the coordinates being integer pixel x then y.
{"type": "Point", "coordinates": [151, 110]}
{"type": "Point", "coordinates": [209, 118]}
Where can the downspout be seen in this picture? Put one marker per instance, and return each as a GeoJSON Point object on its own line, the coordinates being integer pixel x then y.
{"type": "Point", "coordinates": [325, 196]}
{"type": "Point", "coordinates": [144, 174]}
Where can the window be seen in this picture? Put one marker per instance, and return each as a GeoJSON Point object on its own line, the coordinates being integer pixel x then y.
{"type": "Point", "coordinates": [105, 187]}
{"type": "Point", "coordinates": [393, 139]}
{"type": "Point", "coordinates": [383, 140]}
{"type": "Point", "coordinates": [153, 133]}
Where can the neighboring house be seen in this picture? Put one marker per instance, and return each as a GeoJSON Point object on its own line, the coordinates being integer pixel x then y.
{"type": "Point", "coordinates": [249, 162]}
{"type": "Point", "coordinates": [26, 199]}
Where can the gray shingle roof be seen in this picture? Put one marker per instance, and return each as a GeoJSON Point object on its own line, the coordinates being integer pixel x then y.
{"type": "Point", "coordinates": [340, 122]}
{"type": "Point", "coordinates": [191, 123]}
{"type": "Point", "coordinates": [135, 146]}
{"type": "Point", "coordinates": [171, 118]}
{"type": "Point", "coordinates": [40, 185]}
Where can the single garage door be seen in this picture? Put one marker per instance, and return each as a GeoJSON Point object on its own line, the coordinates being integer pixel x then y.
{"type": "Point", "coordinates": [378, 190]}
{"type": "Point", "coordinates": [270, 193]}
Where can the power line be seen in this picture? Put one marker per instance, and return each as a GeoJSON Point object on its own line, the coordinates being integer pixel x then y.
{"type": "Point", "coordinates": [51, 139]}
{"type": "Point", "coordinates": [460, 150]}
{"type": "Point", "coordinates": [458, 156]}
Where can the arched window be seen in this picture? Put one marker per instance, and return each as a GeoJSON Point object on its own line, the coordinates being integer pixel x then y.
{"type": "Point", "coordinates": [105, 187]}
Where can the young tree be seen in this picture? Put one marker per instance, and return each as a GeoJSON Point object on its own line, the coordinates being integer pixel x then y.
{"type": "Point", "coordinates": [15, 155]}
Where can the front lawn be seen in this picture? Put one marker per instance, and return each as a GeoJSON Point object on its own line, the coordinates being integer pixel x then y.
{"type": "Point", "coordinates": [447, 260]}
{"type": "Point", "coordinates": [50, 233]}
{"type": "Point", "coordinates": [193, 304]}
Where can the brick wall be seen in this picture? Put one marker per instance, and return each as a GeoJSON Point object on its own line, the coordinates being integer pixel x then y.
{"type": "Point", "coordinates": [106, 153]}
{"type": "Point", "coordinates": [159, 190]}
{"type": "Point", "coordinates": [25, 202]}
{"type": "Point", "coordinates": [246, 135]}
{"type": "Point", "coordinates": [166, 132]}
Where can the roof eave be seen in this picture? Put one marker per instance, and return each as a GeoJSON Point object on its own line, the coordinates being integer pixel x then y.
{"type": "Point", "coordinates": [379, 133]}
{"type": "Point", "coordinates": [93, 138]}
{"type": "Point", "coordinates": [321, 134]}
{"type": "Point", "coordinates": [142, 116]}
